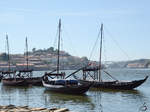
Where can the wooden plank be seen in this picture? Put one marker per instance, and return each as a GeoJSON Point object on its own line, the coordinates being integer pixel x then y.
{"type": "Point", "coordinates": [61, 110]}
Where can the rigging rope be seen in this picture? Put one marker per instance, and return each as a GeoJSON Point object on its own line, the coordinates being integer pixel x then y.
{"type": "Point", "coordinates": [110, 75]}
{"type": "Point", "coordinates": [70, 41]}
{"type": "Point", "coordinates": [94, 45]}
{"type": "Point", "coordinates": [55, 39]}
{"type": "Point", "coordinates": [104, 50]}
{"type": "Point", "coordinates": [61, 49]}
{"type": "Point", "coordinates": [117, 44]}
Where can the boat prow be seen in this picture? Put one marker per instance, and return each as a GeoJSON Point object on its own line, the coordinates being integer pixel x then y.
{"type": "Point", "coordinates": [137, 83]}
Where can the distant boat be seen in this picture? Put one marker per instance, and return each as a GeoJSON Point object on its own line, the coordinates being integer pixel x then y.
{"type": "Point", "coordinates": [35, 81]}
{"type": "Point", "coordinates": [56, 82]}
{"type": "Point", "coordinates": [13, 81]}
{"type": "Point", "coordinates": [27, 74]}
{"type": "Point", "coordinates": [9, 76]}
{"type": "Point", "coordinates": [101, 84]}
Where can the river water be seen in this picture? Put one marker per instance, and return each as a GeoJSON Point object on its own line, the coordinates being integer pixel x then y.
{"type": "Point", "coordinates": [94, 100]}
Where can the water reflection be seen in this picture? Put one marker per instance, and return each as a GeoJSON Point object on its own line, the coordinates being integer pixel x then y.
{"type": "Point", "coordinates": [14, 95]}
{"type": "Point", "coordinates": [62, 99]}
{"type": "Point", "coordinates": [94, 100]}
{"type": "Point", "coordinates": [133, 93]}
{"type": "Point", "coordinates": [67, 97]}
{"type": "Point", "coordinates": [12, 89]}
{"type": "Point", "coordinates": [143, 108]}
{"type": "Point", "coordinates": [98, 99]}
{"type": "Point", "coordinates": [118, 98]}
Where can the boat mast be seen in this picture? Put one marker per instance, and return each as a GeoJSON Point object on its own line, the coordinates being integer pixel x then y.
{"type": "Point", "coordinates": [100, 57]}
{"type": "Point", "coordinates": [58, 46]}
{"type": "Point", "coordinates": [27, 60]}
{"type": "Point", "coordinates": [8, 52]}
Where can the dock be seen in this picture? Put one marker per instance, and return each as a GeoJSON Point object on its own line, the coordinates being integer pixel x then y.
{"type": "Point", "coordinates": [13, 108]}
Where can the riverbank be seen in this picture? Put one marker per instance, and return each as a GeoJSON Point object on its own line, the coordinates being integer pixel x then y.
{"type": "Point", "coordinates": [13, 108]}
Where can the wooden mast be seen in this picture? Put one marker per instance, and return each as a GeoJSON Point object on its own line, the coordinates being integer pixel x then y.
{"type": "Point", "coordinates": [58, 45]}
{"type": "Point", "coordinates": [27, 60]}
{"type": "Point", "coordinates": [100, 57]}
{"type": "Point", "coordinates": [8, 53]}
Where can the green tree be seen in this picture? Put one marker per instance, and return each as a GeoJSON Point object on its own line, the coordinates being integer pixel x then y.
{"type": "Point", "coordinates": [34, 49]}
{"type": "Point", "coordinates": [4, 57]}
{"type": "Point", "coordinates": [51, 49]}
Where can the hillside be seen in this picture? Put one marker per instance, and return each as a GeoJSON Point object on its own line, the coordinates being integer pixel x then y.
{"type": "Point", "coordinates": [139, 63]}
{"type": "Point", "coordinates": [46, 59]}
{"type": "Point", "coordinates": [43, 59]}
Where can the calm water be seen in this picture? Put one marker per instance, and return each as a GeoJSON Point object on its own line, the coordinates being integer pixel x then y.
{"type": "Point", "coordinates": [93, 101]}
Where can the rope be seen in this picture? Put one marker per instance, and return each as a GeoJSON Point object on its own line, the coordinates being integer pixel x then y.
{"type": "Point", "coordinates": [104, 49]}
{"type": "Point", "coordinates": [94, 45]}
{"type": "Point", "coordinates": [77, 71]}
{"type": "Point", "coordinates": [60, 55]}
{"type": "Point", "coordinates": [55, 39]}
{"type": "Point", "coordinates": [117, 44]}
{"type": "Point", "coordinates": [110, 75]}
{"type": "Point", "coordinates": [70, 41]}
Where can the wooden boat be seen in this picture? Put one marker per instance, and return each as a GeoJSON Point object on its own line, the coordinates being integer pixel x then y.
{"type": "Point", "coordinates": [35, 81]}
{"type": "Point", "coordinates": [27, 74]}
{"type": "Point", "coordinates": [65, 86]}
{"type": "Point", "coordinates": [9, 77]}
{"type": "Point", "coordinates": [12, 81]}
{"type": "Point", "coordinates": [124, 85]}
{"type": "Point", "coordinates": [97, 79]}
{"type": "Point", "coordinates": [57, 81]}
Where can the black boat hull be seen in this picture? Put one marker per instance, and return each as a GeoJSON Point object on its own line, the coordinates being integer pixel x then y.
{"type": "Point", "coordinates": [14, 82]}
{"type": "Point", "coordinates": [115, 85]}
{"type": "Point", "coordinates": [35, 81]}
{"type": "Point", "coordinates": [75, 89]}
{"type": "Point", "coordinates": [1, 77]}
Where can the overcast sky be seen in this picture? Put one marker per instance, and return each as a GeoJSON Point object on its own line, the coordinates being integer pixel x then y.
{"type": "Point", "coordinates": [126, 26]}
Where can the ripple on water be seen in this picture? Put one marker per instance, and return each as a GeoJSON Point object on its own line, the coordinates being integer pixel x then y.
{"type": "Point", "coordinates": [93, 101]}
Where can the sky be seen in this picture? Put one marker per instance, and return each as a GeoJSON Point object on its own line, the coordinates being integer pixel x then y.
{"type": "Point", "coordinates": [126, 26]}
